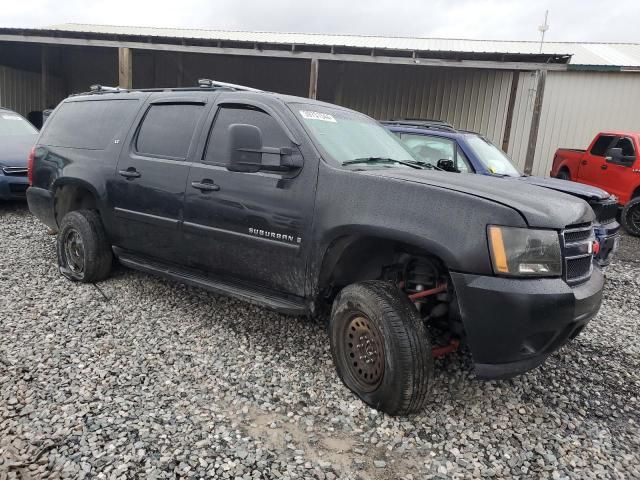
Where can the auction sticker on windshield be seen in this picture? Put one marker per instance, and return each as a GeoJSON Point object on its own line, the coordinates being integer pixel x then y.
{"type": "Point", "coordinates": [310, 115]}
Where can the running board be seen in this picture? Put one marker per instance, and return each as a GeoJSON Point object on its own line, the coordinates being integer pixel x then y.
{"type": "Point", "coordinates": [250, 295]}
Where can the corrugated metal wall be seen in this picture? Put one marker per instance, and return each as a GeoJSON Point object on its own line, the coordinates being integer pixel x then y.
{"type": "Point", "coordinates": [167, 69]}
{"type": "Point", "coordinates": [468, 98]}
{"type": "Point", "coordinates": [21, 90]}
{"type": "Point", "coordinates": [577, 105]}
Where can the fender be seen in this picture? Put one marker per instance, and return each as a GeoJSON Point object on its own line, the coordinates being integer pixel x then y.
{"type": "Point", "coordinates": [338, 240]}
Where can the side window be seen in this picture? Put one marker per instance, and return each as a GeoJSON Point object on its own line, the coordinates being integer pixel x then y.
{"type": "Point", "coordinates": [602, 145]}
{"type": "Point", "coordinates": [167, 130]}
{"type": "Point", "coordinates": [430, 149]}
{"type": "Point", "coordinates": [626, 145]}
{"type": "Point", "coordinates": [218, 147]}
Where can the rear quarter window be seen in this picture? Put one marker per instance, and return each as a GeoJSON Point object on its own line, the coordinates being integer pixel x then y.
{"type": "Point", "coordinates": [88, 124]}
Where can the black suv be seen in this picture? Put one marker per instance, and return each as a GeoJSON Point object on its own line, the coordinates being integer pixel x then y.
{"type": "Point", "coordinates": [296, 204]}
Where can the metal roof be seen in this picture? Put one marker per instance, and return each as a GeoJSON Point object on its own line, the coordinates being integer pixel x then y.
{"type": "Point", "coordinates": [582, 54]}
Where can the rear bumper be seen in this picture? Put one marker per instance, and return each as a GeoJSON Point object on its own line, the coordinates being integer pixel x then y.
{"type": "Point", "coordinates": [13, 187]}
{"type": "Point", "coordinates": [41, 206]}
{"type": "Point", "coordinates": [512, 325]}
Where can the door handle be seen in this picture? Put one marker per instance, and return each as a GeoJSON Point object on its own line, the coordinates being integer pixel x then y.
{"type": "Point", "coordinates": [129, 173]}
{"type": "Point", "coordinates": [206, 186]}
{"type": "Point", "coordinates": [584, 162]}
{"type": "Point", "coordinates": [603, 167]}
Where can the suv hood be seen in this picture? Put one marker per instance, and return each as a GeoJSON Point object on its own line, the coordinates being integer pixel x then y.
{"type": "Point", "coordinates": [14, 149]}
{"type": "Point", "coordinates": [540, 208]}
{"type": "Point", "coordinates": [585, 192]}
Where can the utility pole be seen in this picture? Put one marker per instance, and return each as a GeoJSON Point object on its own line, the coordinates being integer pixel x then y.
{"type": "Point", "coordinates": [543, 28]}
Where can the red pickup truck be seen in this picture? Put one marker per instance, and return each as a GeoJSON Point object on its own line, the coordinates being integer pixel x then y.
{"type": "Point", "coordinates": [611, 163]}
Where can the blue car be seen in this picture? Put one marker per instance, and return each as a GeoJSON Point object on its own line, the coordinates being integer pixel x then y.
{"type": "Point", "coordinates": [17, 137]}
{"type": "Point", "coordinates": [444, 147]}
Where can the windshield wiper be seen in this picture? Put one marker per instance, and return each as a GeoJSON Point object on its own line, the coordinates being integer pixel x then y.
{"type": "Point", "coordinates": [382, 160]}
{"type": "Point", "coordinates": [427, 165]}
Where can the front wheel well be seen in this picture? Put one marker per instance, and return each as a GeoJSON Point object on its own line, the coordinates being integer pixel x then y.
{"type": "Point", "coordinates": [71, 197]}
{"type": "Point", "coordinates": [355, 259]}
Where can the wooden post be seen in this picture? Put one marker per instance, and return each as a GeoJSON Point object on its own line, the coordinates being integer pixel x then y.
{"type": "Point", "coordinates": [512, 103]}
{"type": "Point", "coordinates": [340, 87]}
{"type": "Point", "coordinates": [180, 78]}
{"type": "Point", "coordinates": [313, 79]}
{"type": "Point", "coordinates": [44, 78]}
{"type": "Point", "coordinates": [125, 67]}
{"type": "Point", "coordinates": [535, 121]}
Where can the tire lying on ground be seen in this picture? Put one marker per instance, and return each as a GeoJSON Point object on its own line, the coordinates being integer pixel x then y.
{"type": "Point", "coordinates": [84, 253]}
{"type": "Point", "coordinates": [381, 347]}
{"type": "Point", "coordinates": [630, 217]}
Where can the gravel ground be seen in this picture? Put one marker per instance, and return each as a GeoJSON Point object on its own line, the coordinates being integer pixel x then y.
{"type": "Point", "coordinates": [142, 377]}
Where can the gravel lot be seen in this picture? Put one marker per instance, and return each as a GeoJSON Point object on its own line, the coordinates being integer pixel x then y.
{"type": "Point", "coordinates": [142, 377]}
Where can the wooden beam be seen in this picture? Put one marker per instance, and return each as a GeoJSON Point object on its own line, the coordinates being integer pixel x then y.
{"type": "Point", "coordinates": [44, 78]}
{"type": "Point", "coordinates": [125, 67]}
{"type": "Point", "coordinates": [512, 103]}
{"type": "Point", "coordinates": [180, 78]}
{"type": "Point", "coordinates": [313, 78]}
{"type": "Point", "coordinates": [250, 52]}
{"type": "Point", "coordinates": [535, 122]}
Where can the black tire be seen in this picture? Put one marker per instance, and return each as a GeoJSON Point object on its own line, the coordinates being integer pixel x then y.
{"type": "Point", "coordinates": [564, 174]}
{"type": "Point", "coordinates": [384, 319]}
{"type": "Point", "coordinates": [84, 253]}
{"type": "Point", "coordinates": [630, 217]}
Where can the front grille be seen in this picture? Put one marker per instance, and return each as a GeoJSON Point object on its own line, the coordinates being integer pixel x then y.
{"type": "Point", "coordinates": [576, 236]}
{"type": "Point", "coordinates": [578, 253]}
{"type": "Point", "coordinates": [606, 211]}
{"type": "Point", "coordinates": [15, 171]}
{"type": "Point", "coordinates": [579, 267]}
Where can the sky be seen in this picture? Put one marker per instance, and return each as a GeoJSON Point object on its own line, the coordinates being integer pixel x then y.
{"type": "Point", "coordinates": [569, 20]}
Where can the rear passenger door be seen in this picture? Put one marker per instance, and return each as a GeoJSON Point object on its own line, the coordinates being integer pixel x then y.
{"type": "Point", "coordinates": [149, 182]}
{"type": "Point", "coordinates": [249, 227]}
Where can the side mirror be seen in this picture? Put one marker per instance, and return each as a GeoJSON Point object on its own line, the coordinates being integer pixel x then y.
{"type": "Point", "coordinates": [245, 148]}
{"type": "Point", "coordinates": [615, 155]}
{"type": "Point", "coordinates": [447, 165]}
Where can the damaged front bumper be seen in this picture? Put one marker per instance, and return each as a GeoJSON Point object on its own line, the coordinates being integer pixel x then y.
{"type": "Point", "coordinates": [512, 325]}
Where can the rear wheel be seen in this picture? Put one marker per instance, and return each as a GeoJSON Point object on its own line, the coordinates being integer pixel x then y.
{"type": "Point", "coordinates": [380, 347]}
{"type": "Point", "coordinates": [84, 254]}
{"type": "Point", "coordinates": [564, 174]}
{"type": "Point", "coordinates": [630, 217]}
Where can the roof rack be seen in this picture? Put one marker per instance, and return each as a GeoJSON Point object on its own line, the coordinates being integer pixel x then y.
{"type": "Point", "coordinates": [100, 88]}
{"type": "Point", "coordinates": [421, 123]}
{"type": "Point", "coordinates": [203, 83]}
{"type": "Point", "coordinates": [208, 83]}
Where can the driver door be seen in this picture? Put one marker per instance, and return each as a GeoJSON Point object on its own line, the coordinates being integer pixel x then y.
{"type": "Point", "coordinates": [592, 168]}
{"type": "Point", "coordinates": [616, 175]}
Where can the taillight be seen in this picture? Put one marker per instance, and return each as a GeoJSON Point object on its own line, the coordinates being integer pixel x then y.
{"type": "Point", "coordinates": [32, 157]}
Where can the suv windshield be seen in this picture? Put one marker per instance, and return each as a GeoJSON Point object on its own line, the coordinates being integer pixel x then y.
{"type": "Point", "coordinates": [13, 124]}
{"type": "Point", "coordinates": [353, 139]}
{"type": "Point", "coordinates": [493, 159]}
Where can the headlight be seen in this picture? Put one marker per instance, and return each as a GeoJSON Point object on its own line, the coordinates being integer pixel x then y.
{"type": "Point", "coordinates": [525, 252]}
